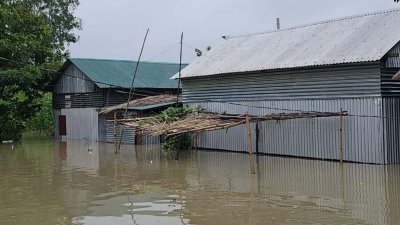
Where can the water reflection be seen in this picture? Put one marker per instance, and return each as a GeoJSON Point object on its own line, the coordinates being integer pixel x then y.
{"type": "Point", "coordinates": [81, 182]}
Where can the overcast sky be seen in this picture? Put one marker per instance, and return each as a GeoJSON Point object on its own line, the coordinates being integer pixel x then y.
{"type": "Point", "coordinates": [114, 29]}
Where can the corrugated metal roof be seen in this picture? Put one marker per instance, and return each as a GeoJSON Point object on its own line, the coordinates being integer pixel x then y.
{"type": "Point", "coordinates": [360, 38]}
{"type": "Point", "coordinates": [119, 73]}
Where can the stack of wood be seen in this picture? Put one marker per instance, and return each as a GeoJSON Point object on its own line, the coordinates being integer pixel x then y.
{"type": "Point", "coordinates": [151, 100]}
{"type": "Point", "coordinates": [208, 121]}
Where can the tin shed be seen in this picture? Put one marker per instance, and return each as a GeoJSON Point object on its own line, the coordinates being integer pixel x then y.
{"type": "Point", "coordinates": [345, 63]}
{"type": "Point", "coordinates": [86, 85]}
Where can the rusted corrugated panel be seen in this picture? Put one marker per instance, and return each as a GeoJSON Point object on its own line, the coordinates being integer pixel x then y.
{"type": "Point", "coordinates": [314, 138]}
{"type": "Point", "coordinates": [360, 38]}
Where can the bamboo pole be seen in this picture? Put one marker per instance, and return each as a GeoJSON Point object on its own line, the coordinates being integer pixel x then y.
{"type": "Point", "coordinates": [115, 133]}
{"type": "Point", "coordinates": [180, 69]}
{"type": "Point", "coordinates": [131, 90]}
{"type": "Point", "coordinates": [249, 145]}
{"type": "Point", "coordinates": [196, 140]}
{"type": "Point", "coordinates": [341, 136]}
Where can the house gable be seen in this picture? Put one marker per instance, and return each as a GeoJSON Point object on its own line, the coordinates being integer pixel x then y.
{"type": "Point", "coordinates": [73, 80]}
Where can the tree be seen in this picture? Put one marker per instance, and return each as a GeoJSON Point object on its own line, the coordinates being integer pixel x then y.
{"type": "Point", "coordinates": [198, 52]}
{"type": "Point", "coordinates": [60, 17]}
{"type": "Point", "coordinates": [27, 54]}
{"type": "Point", "coordinates": [42, 122]}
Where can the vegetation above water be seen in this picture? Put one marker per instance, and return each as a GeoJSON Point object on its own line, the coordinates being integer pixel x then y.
{"type": "Point", "coordinates": [42, 122]}
{"type": "Point", "coordinates": [176, 143]}
{"type": "Point", "coordinates": [33, 36]}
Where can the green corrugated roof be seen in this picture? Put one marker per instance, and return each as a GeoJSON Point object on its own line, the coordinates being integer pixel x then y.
{"type": "Point", "coordinates": [119, 73]}
{"type": "Point", "coordinates": [154, 106]}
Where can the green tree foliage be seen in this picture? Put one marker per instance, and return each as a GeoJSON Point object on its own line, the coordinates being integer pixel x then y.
{"type": "Point", "coordinates": [199, 52]}
{"type": "Point", "coordinates": [25, 36]}
{"type": "Point", "coordinates": [181, 142]}
{"type": "Point", "coordinates": [42, 122]}
{"type": "Point", "coordinates": [60, 17]}
{"type": "Point", "coordinates": [174, 114]}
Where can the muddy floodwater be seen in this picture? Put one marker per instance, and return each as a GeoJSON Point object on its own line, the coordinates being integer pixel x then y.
{"type": "Point", "coordinates": [81, 182]}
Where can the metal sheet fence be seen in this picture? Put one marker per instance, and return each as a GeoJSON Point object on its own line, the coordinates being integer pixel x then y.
{"type": "Point", "coordinates": [391, 111]}
{"type": "Point", "coordinates": [128, 136]}
{"type": "Point", "coordinates": [313, 138]}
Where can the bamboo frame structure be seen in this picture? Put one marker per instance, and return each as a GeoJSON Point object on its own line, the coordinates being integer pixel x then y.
{"type": "Point", "coordinates": [208, 121]}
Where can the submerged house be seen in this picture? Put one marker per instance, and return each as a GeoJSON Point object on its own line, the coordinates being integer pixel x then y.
{"type": "Point", "coordinates": [85, 86]}
{"type": "Point", "coordinates": [344, 63]}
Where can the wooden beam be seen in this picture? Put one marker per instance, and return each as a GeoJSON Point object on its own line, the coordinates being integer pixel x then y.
{"type": "Point", "coordinates": [249, 145]}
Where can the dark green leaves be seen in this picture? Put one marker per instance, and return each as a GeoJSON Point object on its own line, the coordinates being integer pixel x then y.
{"type": "Point", "coordinates": [32, 39]}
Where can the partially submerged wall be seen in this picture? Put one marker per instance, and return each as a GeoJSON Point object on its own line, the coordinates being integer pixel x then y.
{"type": "Point", "coordinates": [355, 89]}
{"type": "Point", "coordinates": [80, 123]}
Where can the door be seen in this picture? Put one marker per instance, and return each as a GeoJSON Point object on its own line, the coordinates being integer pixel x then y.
{"type": "Point", "coordinates": [62, 125]}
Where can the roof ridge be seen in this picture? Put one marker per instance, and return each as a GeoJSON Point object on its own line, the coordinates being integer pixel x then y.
{"type": "Point", "coordinates": [125, 60]}
{"type": "Point", "coordinates": [318, 23]}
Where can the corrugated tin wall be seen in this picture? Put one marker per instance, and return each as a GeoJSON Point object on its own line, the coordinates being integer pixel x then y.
{"type": "Point", "coordinates": [391, 110]}
{"type": "Point", "coordinates": [356, 81]}
{"type": "Point", "coordinates": [128, 136]}
{"type": "Point", "coordinates": [314, 138]}
{"type": "Point", "coordinates": [393, 57]}
{"type": "Point", "coordinates": [389, 87]}
{"type": "Point", "coordinates": [75, 81]}
{"type": "Point", "coordinates": [81, 123]}
{"type": "Point", "coordinates": [82, 100]}
{"type": "Point", "coordinates": [355, 89]}
{"type": "Point", "coordinates": [391, 105]}
{"type": "Point", "coordinates": [106, 132]}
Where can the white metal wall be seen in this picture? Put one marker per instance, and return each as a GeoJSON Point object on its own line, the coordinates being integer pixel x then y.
{"type": "Point", "coordinates": [81, 123]}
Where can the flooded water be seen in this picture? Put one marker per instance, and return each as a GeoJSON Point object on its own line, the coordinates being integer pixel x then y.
{"type": "Point", "coordinates": [49, 182]}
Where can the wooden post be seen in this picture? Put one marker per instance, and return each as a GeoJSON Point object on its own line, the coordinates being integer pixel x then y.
{"type": "Point", "coordinates": [341, 136]}
{"type": "Point", "coordinates": [196, 141]}
{"type": "Point", "coordinates": [115, 133]}
{"type": "Point", "coordinates": [249, 145]}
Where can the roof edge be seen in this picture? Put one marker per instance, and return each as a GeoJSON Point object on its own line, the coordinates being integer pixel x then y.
{"type": "Point", "coordinates": [374, 62]}
{"type": "Point", "coordinates": [125, 60]}
{"type": "Point", "coordinates": [228, 37]}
